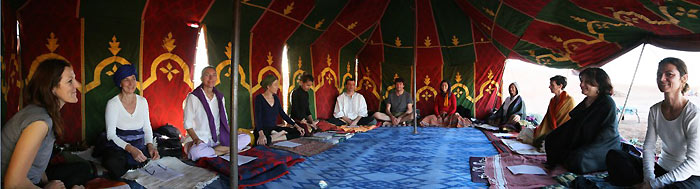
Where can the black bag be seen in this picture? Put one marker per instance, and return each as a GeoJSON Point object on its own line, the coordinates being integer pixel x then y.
{"type": "Point", "coordinates": [168, 139]}
{"type": "Point", "coordinates": [464, 112]}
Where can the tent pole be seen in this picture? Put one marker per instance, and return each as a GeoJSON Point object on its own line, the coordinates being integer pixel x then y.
{"type": "Point", "coordinates": [622, 112]}
{"type": "Point", "coordinates": [415, 65]}
{"type": "Point", "coordinates": [233, 137]}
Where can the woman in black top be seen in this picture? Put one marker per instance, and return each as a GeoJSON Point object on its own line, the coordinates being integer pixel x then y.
{"type": "Point", "coordinates": [267, 108]}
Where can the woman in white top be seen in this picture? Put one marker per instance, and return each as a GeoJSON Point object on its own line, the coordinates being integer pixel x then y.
{"type": "Point", "coordinates": [675, 120]}
{"type": "Point", "coordinates": [129, 133]}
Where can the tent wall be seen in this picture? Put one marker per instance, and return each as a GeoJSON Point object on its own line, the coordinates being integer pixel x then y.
{"type": "Point", "coordinates": [463, 41]}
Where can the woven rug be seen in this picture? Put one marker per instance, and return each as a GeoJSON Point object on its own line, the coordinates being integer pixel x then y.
{"type": "Point", "coordinates": [309, 147]}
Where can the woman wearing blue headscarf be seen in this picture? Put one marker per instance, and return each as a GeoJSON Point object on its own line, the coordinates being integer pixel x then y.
{"type": "Point", "coordinates": [129, 133]}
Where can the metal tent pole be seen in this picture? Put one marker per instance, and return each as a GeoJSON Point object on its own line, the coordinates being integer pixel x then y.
{"type": "Point", "coordinates": [622, 112]}
{"type": "Point", "coordinates": [415, 66]}
{"type": "Point", "coordinates": [235, 61]}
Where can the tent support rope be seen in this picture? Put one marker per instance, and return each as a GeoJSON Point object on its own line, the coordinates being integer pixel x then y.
{"type": "Point", "coordinates": [622, 112]}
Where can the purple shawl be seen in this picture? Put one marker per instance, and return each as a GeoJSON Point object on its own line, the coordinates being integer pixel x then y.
{"type": "Point", "coordinates": [223, 133]}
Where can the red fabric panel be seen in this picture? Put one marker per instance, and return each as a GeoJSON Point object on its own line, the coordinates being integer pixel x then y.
{"type": "Point", "coordinates": [531, 8]}
{"type": "Point", "coordinates": [61, 20]}
{"type": "Point", "coordinates": [369, 69]}
{"type": "Point", "coordinates": [326, 49]}
{"type": "Point", "coordinates": [626, 6]}
{"type": "Point", "coordinates": [11, 75]}
{"type": "Point", "coordinates": [267, 41]}
{"type": "Point", "coordinates": [429, 72]}
{"type": "Point", "coordinates": [167, 69]}
{"type": "Point", "coordinates": [580, 52]}
{"type": "Point", "coordinates": [488, 75]}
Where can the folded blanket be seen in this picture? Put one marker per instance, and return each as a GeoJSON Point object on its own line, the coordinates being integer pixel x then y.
{"type": "Point", "coordinates": [309, 147]}
{"type": "Point", "coordinates": [357, 129]}
{"type": "Point", "coordinates": [269, 165]}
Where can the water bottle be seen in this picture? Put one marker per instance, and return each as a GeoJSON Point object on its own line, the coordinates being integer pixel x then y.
{"type": "Point", "coordinates": [322, 184]}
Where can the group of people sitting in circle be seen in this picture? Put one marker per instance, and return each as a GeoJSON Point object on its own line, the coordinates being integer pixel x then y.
{"type": "Point", "coordinates": [583, 138]}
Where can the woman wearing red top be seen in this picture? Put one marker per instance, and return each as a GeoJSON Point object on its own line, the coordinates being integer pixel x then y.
{"type": "Point", "coordinates": [445, 108]}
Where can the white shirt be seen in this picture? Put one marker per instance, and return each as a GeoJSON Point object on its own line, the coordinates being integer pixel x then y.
{"type": "Point", "coordinates": [195, 117]}
{"type": "Point", "coordinates": [116, 116]}
{"type": "Point", "coordinates": [680, 151]}
{"type": "Point", "coordinates": [350, 106]}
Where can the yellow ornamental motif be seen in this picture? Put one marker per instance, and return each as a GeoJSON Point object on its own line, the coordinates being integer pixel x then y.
{"type": "Point", "coordinates": [170, 71]}
{"type": "Point", "coordinates": [289, 8]}
{"type": "Point", "coordinates": [319, 23]}
{"type": "Point", "coordinates": [227, 64]}
{"type": "Point", "coordinates": [464, 89]}
{"type": "Point", "coordinates": [352, 26]}
{"type": "Point", "coordinates": [426, 92]}
{"type": "Point", "coordinates": [114, 70]}
{"type": "Point", "coordinates": [53, 42]}
{"type": "Point", "coordinates": [269, 58]}
{"type": "Point", "coordinates": [427, 41]}
{"type": "Point", "coordinates": [114, 46]}
{"type": "Point", "coordinates": [169, 42]}
{"type": "Point", "coordinates": [455, 41]}
{"type": "Point", "coordinates": [397, 42]}
{"type": "Point", "coordinates": [490, 12]}
{"type": "Point", "coordinates": [690, 13]}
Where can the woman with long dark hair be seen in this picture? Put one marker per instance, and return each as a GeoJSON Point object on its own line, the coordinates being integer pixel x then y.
{"type": "Point", "coordinates": [445, 110]}
{"type": "Point", "coordinates": [28, 137]}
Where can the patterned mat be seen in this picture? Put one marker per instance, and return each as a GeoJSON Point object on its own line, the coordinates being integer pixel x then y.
{"type": "Point", "coordinates": [309, 147]}
{"type": "Point", "coordinates": [393, 157]}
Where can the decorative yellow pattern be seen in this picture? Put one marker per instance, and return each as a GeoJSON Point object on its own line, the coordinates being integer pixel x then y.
{"type": "Point", "coordinates": [397, 42]}
{"type": "Point", "coordinates": [289, 8]}
{"type": "Point", "coordinates": [455, 41]}
{"type": "Point", "coordinates": [296, 77]}
{"type": "Point", "coordinates": [430, 92]}
{"type": "Point", "coordinates": [169, 70]}
{"type": "Point", "coordinates": [266, 69]}
{"type": "Point", "coordinates": [690, 13]}
{"type": "Point", "coordinates": [52, 45]}
{"type": "Point", "coordinates": [368, 84]}
{"type": "Point", "coordinates": [97, 73]}
{"type": "Point", "coordinates": [492, 86]}
{"type": "Point", "coordinates": [227, 62]}
{"type": "Point", "coordinates": [352, 26]}
{"type": "Point", "coordinates": [458, 85]}
{"type": "Point", "coordinates": [426, 42]}
{"type": "Point", "coordinates": [169, 45]}
{"type": "Point", "coordinates": [111, 72]}
{"type": "Point", "coordinates": [490, 12]}
{"type": "Point", "coordinates": [327, 75]}
{"type": "Point", "coordinates": [632, 18]}
{"type": "Point", "coordinates": [319, 23]}
{"type": "Point", "coordinates": [13, 78]}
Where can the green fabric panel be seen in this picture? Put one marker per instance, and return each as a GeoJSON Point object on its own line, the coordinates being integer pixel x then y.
{"type": "Point", "coordinates": [219, 22]}
{"type": "Point", "coordinates": [565, 13]}
{"type": "Point", "coordinates": [504, 50]}
{"type": "Point", "coordinates": [525, 48]}
{"type": "Point", "coordinates": [487, 8]}
{"type": "Point", "coordinates": [451, 21]}
{"type": "Point", "coordinates": [513, 20]}
{"type": "Point", "coordinates": [299, 42]}
{"type": "Point", "coordinates": [348, 54]}
{"type": "Point", "coordinates": [686, 13]}
{"type": "Point", "coordinates": [400, 22]}
{"type": "Point", "coordinates": [104, 20]}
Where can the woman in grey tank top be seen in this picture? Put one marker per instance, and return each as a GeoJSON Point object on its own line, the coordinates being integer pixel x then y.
{"type": "Point", "coordinates": [28, 137]}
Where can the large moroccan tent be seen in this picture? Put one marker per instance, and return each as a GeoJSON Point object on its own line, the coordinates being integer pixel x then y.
{"type": "Point", "coordinates": [463, 41]}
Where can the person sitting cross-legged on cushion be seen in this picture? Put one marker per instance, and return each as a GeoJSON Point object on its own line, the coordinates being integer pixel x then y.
{"type": "Point", "coordinates": [267, 109]}
{"type": "Point", "coordinates": [445, 110]}
{"type": "Point", "coordinates": [351, 108]}
{"type": "Point", "coordinates": [206, 121]}
{"type": "Point", "coordinates": [300, 110]}
{"type": "Point", "coordinates": [399, 106]}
